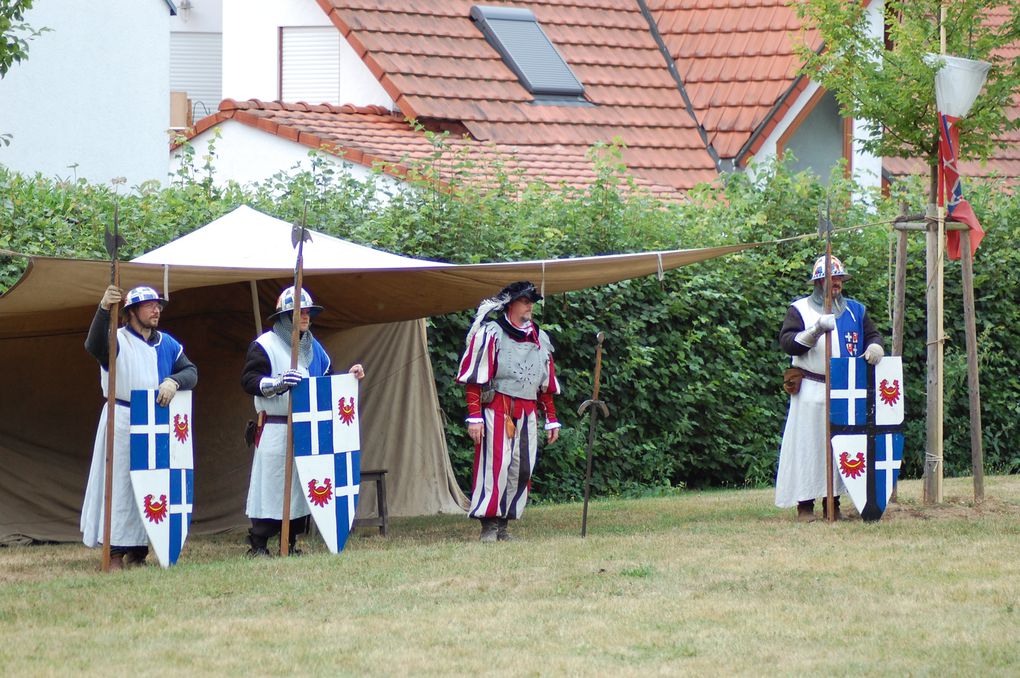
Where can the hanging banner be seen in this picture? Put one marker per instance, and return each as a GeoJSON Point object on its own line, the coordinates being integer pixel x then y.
{"type": "Point", "coordinates": [163, 470]}
{"type": "Point", "coordinates": [866, 418]}
{"type": "Point", "coordinates": [327, 453]}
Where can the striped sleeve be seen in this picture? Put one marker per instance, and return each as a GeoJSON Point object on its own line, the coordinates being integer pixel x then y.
{"type": "Point", "coordinates": [478, 365]}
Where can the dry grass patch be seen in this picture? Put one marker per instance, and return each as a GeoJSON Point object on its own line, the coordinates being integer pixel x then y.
{"type": "Point", "coordinates": [700, 583]}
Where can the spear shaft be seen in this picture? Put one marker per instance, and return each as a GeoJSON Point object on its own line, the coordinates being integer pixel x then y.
{"type": "Point", "coordinates": [112, 244]}
{"type": "Point", "coordinates": [830, 507]}
{"type": "Point", "coordinates": [595, 404]}
{"type": "Point", "coordinates": [295, 338]}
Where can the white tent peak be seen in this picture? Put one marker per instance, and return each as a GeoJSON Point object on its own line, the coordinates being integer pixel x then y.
{"type": "Point", "coordinates": [247, 238]}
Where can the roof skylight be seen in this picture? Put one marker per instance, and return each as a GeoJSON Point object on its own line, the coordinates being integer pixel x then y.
{"type": "Point", "coordinates": [527, 51]}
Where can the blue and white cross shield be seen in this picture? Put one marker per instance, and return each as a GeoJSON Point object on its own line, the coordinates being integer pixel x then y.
{"type": "Point", "coordinates": [163, 470]}
{"type": "Point", "coordinates": [848, 392]}
{"type": "Point", "coordinates": [327, 452]}
{"type": "Point", "coordinates": [866, 419]}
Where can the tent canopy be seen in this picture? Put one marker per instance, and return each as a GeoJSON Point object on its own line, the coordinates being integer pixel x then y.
{"type": "Point", "coordinates": [374, 305]}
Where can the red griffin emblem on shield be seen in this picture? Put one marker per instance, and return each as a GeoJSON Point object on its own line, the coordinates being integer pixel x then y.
{"type": "Point", "coordinates": [180, 428]}
{"type": "Point", "coordinates": [155, 511]}
{"type": "Point", "coordinates": [320, 494]}
{"type": "Point", "coordinates": [851, 468]}
{"type": "Point", "coordinates": [890, 395]}
{"type": "Point", "coordinates": [346, 411]}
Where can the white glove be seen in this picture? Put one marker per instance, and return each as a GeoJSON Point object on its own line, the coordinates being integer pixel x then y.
{"type": "Point", "coordinates": [167, 391]}
{"type": "Point", "coordinates": [874, 353]}
{"type": "Point", "coordinates": [271, 386]}
{"type": "Point", "coordinates": [111, 297]}
{"type": "Point", "coordinates": [825, 323]}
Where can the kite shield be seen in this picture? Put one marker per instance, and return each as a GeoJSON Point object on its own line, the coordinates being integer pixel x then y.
{"type": "Point", "coordinates": [327, 453]}
{"type": "Point", "coordinates": [163, 470]}
{"type": "Point", "coordinates": [867, 426]}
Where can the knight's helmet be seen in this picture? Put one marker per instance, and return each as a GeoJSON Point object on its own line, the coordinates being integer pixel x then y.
{"type": "Point", "coordinates": [818, 270]}
{"type": "Point", "coordinates": [285, 303]}
{"type": "Point", "coordinates": [141, 294]}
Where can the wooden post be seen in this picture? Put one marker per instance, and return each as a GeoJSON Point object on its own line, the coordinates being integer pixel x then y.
{"type": "Point", "coordinates": [933, 449]}
{"type": "Point", "coordinates": [933, 469]}
{"type": "Point", "coordinates": [973, 381]}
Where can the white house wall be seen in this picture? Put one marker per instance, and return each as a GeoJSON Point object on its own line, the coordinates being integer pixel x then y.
{"type": "Point", "coordinates": [867, 167]}
{"type": "Point", "coordinates": [248, 155]}
{"type": "Point", "coordinates": [203, 16]}
{"type": "Point", "coordinates": [94, 92]}
{"type": "Point", "coordinates": [251, 44]}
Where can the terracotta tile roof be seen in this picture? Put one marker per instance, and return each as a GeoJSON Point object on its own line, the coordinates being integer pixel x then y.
{"type": "Point", "coordinates": [373, 136]}
{"type": "Point", "coordinates": [436, 65]}
{"type": "Point", "coordinates": [736, 58]}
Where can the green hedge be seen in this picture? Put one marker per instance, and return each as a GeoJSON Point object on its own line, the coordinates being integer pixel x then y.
{"type": "Point", "coordinates": [692, 370]}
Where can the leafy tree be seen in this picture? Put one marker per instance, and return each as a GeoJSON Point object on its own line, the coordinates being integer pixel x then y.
{"type": "Point", "coordinates": [14, 33]}
{"type": "Point", "coordinates": [886, 81]}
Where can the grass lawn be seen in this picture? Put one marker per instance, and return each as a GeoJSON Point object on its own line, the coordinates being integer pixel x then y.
{"type": "Point", "coordinates": [711, 583]}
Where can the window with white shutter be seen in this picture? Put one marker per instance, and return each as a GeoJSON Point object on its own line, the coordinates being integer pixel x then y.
{"type": "Point", "coordinates": [310, 64]}
{"type": "Point", "coordinates": [196, 67]}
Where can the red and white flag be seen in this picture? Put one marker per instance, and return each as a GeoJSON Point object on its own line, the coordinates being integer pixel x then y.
{"type": "Point", "coordinates": [957, 84]}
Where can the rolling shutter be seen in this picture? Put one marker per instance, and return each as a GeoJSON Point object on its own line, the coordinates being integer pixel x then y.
{"type": "Point", "coordinates": [311, 65]}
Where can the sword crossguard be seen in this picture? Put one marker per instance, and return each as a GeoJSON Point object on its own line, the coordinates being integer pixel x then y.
{"type": "Point", "coordinates": [601, 405]}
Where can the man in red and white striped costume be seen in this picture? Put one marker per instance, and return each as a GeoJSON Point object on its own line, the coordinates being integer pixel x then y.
{"type": "Point", "coordinates": [509, 377]}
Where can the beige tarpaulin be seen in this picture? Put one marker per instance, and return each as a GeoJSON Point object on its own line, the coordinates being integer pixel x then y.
{"type": "Point", "coordinates": [51, 400]}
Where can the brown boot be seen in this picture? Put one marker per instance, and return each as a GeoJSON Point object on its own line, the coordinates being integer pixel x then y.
{"type": "Point", "coordinates": [835, 512]}
{"type": "Point", "coordinates": [116, 562]}
{"type": "Point", "coordinates": [806, 511]}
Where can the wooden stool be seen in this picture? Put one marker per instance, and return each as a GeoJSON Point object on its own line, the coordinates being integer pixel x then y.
{"type": "Point", "coordinates": [378, 476]}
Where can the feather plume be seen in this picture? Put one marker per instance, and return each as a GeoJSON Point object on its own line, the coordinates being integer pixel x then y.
{"type": "Point", "coordinates": [487, 306]}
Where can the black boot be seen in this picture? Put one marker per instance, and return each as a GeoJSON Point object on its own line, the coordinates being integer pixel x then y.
{"type": "Point", "coordinates": [258, 545]}
{"type": "Point", "coordinates": [503, 531]}
{"type": "Point", "coordinates": [135, 556]}
{"type": "Point", "coordinates": [490, 530]}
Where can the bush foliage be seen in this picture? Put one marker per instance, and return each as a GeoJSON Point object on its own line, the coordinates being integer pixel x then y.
{"type": "Point", "coordinates": [692, 369]}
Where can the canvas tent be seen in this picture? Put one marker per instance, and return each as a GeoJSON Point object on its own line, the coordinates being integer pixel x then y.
{"type": "Point", "coordinates": [374, 305]}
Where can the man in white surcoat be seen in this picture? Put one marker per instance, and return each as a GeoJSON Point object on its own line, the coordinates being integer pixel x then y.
{"type": "Point", "coordinates": [801, 475]}
{"type": "Point", "coordinates": [509, 379]}
{"type": "Point", "coordinates": [146, 359]}
{"type": "Point", "coordinates": [267, 377]}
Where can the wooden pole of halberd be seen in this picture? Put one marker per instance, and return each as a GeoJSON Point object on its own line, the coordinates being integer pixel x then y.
{"type": "Point", "coordinates": [899, 302]}
{"type": "Point", "coordinates": [973, 381]}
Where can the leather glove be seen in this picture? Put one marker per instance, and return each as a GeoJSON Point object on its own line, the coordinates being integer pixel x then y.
{"type": "Point", "coordinates": [825, 323]}
{"type": "Point", "coordinates": [874, 353]}
{"type": "Point", "coordinates": [111, 297]}
{"type": "Point", "coordinates": [281, 384]}
{"type": "Point", "coordinates": [167, 391]}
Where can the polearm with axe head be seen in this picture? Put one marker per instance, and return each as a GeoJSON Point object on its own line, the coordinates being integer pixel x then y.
{"type": "Point", "coordinates": [825, 229]}
{"type": "Point", "coordinates": [113, 242]}
{"type": "Point", "coordinates": [298, 236]}
{"type": "Point", "coordinates": [595, 405]}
